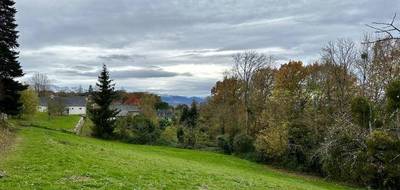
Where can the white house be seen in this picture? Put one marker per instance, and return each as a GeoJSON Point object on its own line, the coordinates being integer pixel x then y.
{"type": "Point", "coordinates": [74, 105]}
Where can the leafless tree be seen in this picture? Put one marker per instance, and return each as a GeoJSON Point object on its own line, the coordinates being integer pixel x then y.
{"type": "Point", "coordinates": [363, 64]}
{"type": "Point", "coordinates": [246, 64]}
{"type": "Point", "coordinates": [342, 55]}
{"type": "Point", "coordinates": [388, 29]}
{"type": "Point", "coordinates": [40, 82]}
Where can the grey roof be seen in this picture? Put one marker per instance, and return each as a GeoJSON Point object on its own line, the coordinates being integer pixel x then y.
{"type": "Point", "coordinates": [125, 110]}
{"type": "Point", "coordinates": [79, 101]}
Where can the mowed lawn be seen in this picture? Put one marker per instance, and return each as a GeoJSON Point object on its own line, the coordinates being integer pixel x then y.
{"type": "Point", "coordinates": [50, 159]}
{"type": "Point", "coordinates": [41, 119]}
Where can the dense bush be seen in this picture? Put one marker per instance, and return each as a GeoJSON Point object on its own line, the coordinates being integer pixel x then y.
{"type": "Point", "coordinates": [180, 135]}
{"type": "Point", "coordinates": [243, 143]}
{"type": "Point", "coordinates": [203, 140]}
{"type": "Point", "coordinates": [383, 168]}
{"type": "Point", "coordinates": [168, 136]}
{"type": "Point", "coordinates": [393, 96]}
{"type": "Point", "coordinates": [164, 123]}
{"type": "Point", "coordinates": [301, 146]}
{"type": "Point", "coordinates": [361, 111]}
{"type": "Point", "coordinates": [224, 143]}
{"type": "Point", "coordinates": [138, 129]}
{"type": "Point", "coordinates": [272, 142]}
{"type": "Point", "coordinates": [342, 154]}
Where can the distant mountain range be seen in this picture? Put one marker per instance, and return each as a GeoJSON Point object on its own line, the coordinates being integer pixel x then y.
{"type": "Point", "coordinates": [170, 99]}
{"type": "Point", "coordinates": [175, 100]}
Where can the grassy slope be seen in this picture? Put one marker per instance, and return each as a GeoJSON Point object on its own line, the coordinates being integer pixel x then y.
{"type": "Point", "coordinates": [48, 159]}
{"type": "Point", "coordinates": [60, 122]}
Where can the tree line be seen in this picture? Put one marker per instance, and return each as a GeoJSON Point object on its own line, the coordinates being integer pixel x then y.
{"type": "Point", "coordinates": [338, 117]}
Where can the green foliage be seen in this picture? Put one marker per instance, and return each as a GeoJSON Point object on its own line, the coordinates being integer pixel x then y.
{"type": "Point", "coordinates": [180, 135]}
{"type": "Point", "coordinates": [162, 105]}
{"type": "Point", "coordinates": [203, 140]}
{"type": "Point", "coordinates": [190, 116]}
{"type": "Point", "coordinates": [138, 129]}
{"type": "Point", "coordinates": [393, 96]}
{"type": "Point", "coordinates": [301, 146]}
{"type": "Point", "coordinates": [165, 123]}
{"type": "Point", "coordinates": [243, 143]}
{"type": "Point", "coordinates": [383, 167]}
{"type": "Point", "coordinates": [30, 102]}
{"type": "Point", "coordinates": [225, 144]}
{"type": "Point", "coordinates": [362, 111]}
{"type": "Point", "coordinates": [10, 68]}
{"type": "Point", "coordinates": [102, 116]}
{"type": "Point", "coordinates": [168, 136]}
{"type": "Point", "coordinates": [343, 152]}
{"type": "Point", "coordinates": [55, 107]}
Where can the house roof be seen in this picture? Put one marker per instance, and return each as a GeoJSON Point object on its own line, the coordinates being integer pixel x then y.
{"type": "Point", "coordinates": [69, 101]}
{"type": "Point", "coordinates": [125, 110]}
{"type": "Point", "coordinates": [132, 100]}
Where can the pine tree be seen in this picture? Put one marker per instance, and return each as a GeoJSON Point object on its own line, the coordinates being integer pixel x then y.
{"type": "Point", "coordinates": [101, 114]}
{"type": "Point", "coordinates": [9, 66]}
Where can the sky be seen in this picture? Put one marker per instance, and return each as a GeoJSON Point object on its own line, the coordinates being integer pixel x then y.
{"type": "Point", "coordinates": [179, 47]}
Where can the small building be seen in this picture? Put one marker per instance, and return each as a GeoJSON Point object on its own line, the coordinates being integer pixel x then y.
{"type": "Point", "coordinates": [126, 110]}
{"type": "Point", "coordinates": [165, 114]}
{"type": "Point", "coordinates": [73, 105]}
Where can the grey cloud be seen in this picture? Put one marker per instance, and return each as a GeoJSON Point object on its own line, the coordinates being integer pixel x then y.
{"type": "Point", "coordinates": [82, 68]}
{"type": "Point", "coordinates": [125, 74]}
{"type": "Point", "coordinates": [121, 57]}
{"type": "Point", "coordinates": [144, 30]}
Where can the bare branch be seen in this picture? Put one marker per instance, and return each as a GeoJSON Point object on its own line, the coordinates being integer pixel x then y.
{"type": "Point", "coordinates": [390, 29]}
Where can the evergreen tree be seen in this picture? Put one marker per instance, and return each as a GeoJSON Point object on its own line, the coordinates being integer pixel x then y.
{"type": "Point", "coordinates": [192, 123]}
{"type": "Point", "coordinates": [101, 114]}
{"type": "Point", "coordinates": [189, 119]}
{"type": "Point", "coordinates": [90, 90]}
{"type": "Point", "coordinates": [193, 115]}
{"type": "Point", "coordinates": [9, 66]}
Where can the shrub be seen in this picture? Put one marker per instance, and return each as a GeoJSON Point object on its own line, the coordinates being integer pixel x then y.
{"type": "Point", "coordinates": [203, 140]}
{"type": "Point", "coordinates": [243, 143]}
{"type": "Point", "coordinates": [224, 143]}
{"type": "Point", "coordinates": [272, 143]}
{"type": "Point", "coordinates": [383, 166]}
{"type": "Point", "coordinates": [343, 154]}
{"type": "Point", "coordinates": [393, 96]}
{"type": "Point", "coordinates": [180, 134]}
{"type": "Point", "coordinates": [190, 138]}
{"type": "Point", "coordinates": [164, 123]}
{"type": "Point", "coordinates": [169, 137]}
{"type": "Point", "coordinates": [138, 129]}
{"type": "Point", "coordinates": [30, 102]}
{"type": "Point", "coordinates": [301, 145]}
{"type": "Point", "coordinates": [361, 111]}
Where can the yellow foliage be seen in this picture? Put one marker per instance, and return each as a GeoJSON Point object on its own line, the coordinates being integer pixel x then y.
{"type": "Point", "coordinates": [273, 141]}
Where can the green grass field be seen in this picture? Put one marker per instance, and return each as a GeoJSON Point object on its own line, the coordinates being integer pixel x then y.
{"type": "Point", "coordinates": [51, 159]}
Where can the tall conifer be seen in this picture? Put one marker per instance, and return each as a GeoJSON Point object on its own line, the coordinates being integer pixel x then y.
{"type": "Point", "coordinates": [9, 66]}
{"type": "Point", "coordinates": [101, 113]}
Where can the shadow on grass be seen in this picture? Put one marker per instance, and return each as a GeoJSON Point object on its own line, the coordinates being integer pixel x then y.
{"type": "Point", "coordinates": [29, 124]}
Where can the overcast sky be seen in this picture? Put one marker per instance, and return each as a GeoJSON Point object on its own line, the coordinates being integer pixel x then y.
{"type": "Point", "coordinates": [179, 47]}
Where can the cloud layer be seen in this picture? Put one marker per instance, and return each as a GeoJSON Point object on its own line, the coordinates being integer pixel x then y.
{"type": "Point", "coordinates": [179, 47]}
